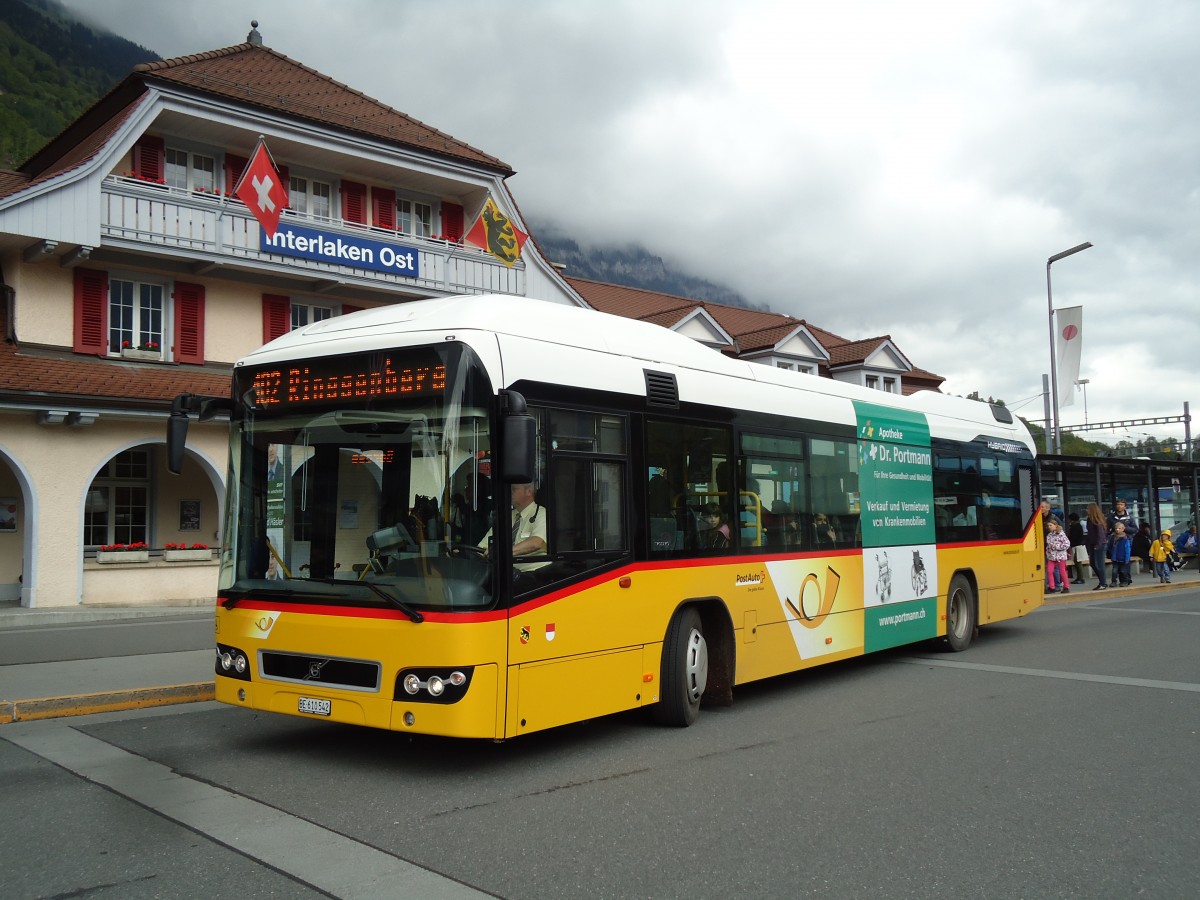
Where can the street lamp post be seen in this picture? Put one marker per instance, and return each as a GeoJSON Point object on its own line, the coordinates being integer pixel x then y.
{"type": "Point", "coordinates": [1057, 444]}
{"type": "Point", "coordinates": [1083, 383]}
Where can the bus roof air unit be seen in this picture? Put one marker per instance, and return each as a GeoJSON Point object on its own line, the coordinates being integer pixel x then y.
{"type": "Point", "coordinates": [661, 389]}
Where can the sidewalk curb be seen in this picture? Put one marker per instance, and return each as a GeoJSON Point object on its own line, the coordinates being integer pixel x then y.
{"type": "Point", "coordinates": [108, 701]}
{"type": "Point", "coordinates": [1127, 591]}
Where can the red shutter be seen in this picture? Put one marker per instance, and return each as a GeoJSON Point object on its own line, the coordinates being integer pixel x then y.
{"type": "Point", "coordinates": [147, 158]}
{"type": "Point", "coordinates": [91, 312]}
{"type": "Point", "coordinates": [452, 221]}
{"type": "Point", "coordinates": [354, 203]}
{"type": "Point", "coordinates": [189, 323]}
{"type": "Point", "coordinates": [347, 309]}
{"type": "Point", "coordinates": [383, 208]}
{"type": "Point", "coordinates": [277, 316]}
{"type": "Point", "coordinates": [234, 167]}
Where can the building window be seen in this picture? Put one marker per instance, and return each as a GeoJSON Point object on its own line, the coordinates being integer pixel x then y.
{"type": "Point", "coordinates": [873, 382]}
{"type": "Point", "coordinates": [305, 314]}
{"type": "Point", "coordinates": [791, 367]}
{"type": "Point", "coordinates": [189, 171]}
{"type": "Point", "coordinates": [889, 385]}
{"type": "Point", "coordinates": [414, 217]}
{"type": "Point", "coordinates": [117, 509]}
{"type": "Point", "coordinates": [135, 316]}
{"type": "Point", "coordinates": [311, 199]}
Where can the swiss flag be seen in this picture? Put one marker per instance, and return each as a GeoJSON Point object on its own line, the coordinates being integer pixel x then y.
{"type": "Point", "coordinates": [260, 189]}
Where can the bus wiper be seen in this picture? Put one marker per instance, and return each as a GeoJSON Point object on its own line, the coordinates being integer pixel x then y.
{"type": "Point", "coordinates": [414, 614]}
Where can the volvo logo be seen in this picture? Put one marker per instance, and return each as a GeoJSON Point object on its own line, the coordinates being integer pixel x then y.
{"type": "Point", "coordinates": [314, 669]}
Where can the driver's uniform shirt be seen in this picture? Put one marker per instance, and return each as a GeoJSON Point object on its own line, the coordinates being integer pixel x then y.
{"type": "Point", "coordinates": [526, 523]}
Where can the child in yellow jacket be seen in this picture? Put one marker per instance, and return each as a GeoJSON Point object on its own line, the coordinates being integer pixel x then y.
{"type": "Point", "coordinates": [1160, 553]}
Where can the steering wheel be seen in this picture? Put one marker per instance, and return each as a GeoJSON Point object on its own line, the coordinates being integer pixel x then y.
{"type": "Point", "coordinates": [465, 551]}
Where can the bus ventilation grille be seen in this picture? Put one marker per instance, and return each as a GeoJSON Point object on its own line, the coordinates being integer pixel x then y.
{"type": "Point", "coordinates": [661, 389]}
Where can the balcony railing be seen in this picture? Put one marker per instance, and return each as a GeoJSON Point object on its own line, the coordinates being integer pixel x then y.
{"type": "Point", "coordinates": [140, 215]}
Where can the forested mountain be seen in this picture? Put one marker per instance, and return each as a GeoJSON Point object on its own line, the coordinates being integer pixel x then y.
{"type": "Point", "coordinates": [52, 68]}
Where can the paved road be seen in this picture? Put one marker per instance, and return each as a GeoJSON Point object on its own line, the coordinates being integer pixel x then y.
{"type": "Point", "coordinates": [1056, 758]}
{"type": "Point", "coordinates": [106, 639]}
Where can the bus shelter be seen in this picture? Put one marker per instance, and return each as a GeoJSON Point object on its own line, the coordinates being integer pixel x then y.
{"type": "Point", "coordinates": [1161, 492]}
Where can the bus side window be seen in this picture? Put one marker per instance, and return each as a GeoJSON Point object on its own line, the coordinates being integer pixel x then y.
{"type": "Point", "coordinates": [587, 492]}
{"type": "Point", "coordinates": [834, 470]}
{"type": "Point", "coordinates": [694, 460]}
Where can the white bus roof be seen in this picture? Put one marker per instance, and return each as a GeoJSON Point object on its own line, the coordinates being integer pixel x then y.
{"type": "Point", "coordinates": [523, 339]}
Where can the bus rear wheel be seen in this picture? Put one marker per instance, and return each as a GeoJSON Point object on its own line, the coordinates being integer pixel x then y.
{"type": "Point", "coordinates": [960, 614]}
{"type": "Point", "coordinates": [684, 672]}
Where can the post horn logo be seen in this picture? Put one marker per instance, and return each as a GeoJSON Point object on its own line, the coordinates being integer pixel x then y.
{"type": "Point", "coordinates": [824, 598]}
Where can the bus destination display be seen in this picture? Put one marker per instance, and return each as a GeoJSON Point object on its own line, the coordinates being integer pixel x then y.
{"type": "Point", "coordinates": [356, 378]}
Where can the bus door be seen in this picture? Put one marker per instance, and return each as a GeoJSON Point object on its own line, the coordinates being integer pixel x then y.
{"type": "Point", "coordinates": [573, 653]}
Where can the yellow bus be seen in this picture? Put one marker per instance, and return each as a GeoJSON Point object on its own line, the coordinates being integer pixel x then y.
{"type": "Point", "coordinates": [700, 522]}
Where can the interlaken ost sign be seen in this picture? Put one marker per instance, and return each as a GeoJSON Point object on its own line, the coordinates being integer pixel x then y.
{"type": "Point", "coordinates": [341, 250]}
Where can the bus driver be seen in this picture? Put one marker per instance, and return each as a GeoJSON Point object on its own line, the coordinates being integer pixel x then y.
{"type": "Point", "coordinates": [528, 528]}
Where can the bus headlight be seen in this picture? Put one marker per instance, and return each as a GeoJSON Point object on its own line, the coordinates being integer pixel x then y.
{"type": "Point", "coordinates": [433, 685]}
{"type": "Point", "coordinates": [232, 663]}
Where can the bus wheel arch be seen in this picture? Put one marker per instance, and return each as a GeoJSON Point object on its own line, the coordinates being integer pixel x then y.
{"type": "Point", "coordinates": [962, 611]}
{"type": "Point", "coordinates": [696, 663]}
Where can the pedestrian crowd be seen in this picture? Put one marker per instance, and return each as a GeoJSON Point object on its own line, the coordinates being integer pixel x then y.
{"type": "Point", "coordinates": [1098, 540]}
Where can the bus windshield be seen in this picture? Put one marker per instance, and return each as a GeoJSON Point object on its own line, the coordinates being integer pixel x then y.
{"type": "Point", "coordinates": [361, 479]}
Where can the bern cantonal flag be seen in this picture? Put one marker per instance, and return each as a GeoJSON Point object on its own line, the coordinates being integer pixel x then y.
{"type": "Point", "coordinates": [1068, 349]}
{"type": "Point", "coordinates": [495, 233]}
{"type": "Point", "coordinates": [261, 190]}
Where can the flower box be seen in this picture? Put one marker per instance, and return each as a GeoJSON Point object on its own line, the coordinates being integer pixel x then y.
{"type": "Point", "coordinates": [131, 353]}
{"type": "Point", "coordinates": [188, 555]}
{"type": "Point", "coordinates": [107, 557]}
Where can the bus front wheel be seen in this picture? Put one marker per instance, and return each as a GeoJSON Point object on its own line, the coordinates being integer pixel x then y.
{"type": "Point", "coordinates": [960, 614]}
{"type": "Point", "coordinates": [684, 672]}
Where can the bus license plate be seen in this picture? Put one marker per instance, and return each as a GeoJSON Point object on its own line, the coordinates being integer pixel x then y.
{"type": "Point", "coordinates": [315, 706]}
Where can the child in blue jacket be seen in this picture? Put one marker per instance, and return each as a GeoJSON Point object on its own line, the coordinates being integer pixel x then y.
{"type": "Point", "coordinates": [1122, 548]}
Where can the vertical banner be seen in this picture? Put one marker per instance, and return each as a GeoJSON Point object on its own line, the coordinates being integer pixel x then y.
{"type": "Point", "coordinates": [899, 547]}
{"type": "Point", "coordinates": [1069, 344]}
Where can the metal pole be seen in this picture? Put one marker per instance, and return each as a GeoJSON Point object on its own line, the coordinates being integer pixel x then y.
{"type": "Point", "coordinates": [1194, 465]}
{"type": "Point", "coordinates": [1052, 423]}
{"type": "Point", "coordinates": [1046, 403]}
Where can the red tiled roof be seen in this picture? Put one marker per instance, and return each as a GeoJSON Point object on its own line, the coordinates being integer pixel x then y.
{"type": "Point", "coordinates": [12, 181]}
{"type": "Point", "coordinates": [751, 329]}
{"type": "Point", "coordinates": [853, 351]}
{"type": "Point", "coordinates": [259, 76]}
{"type": "Point", "coordinates": [53, 376]}
{"type": "Point", "coordinates": [630, 302]}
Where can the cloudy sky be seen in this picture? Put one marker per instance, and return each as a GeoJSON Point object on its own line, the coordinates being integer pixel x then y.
{"type": "Point", "coordinates": [871, 166]}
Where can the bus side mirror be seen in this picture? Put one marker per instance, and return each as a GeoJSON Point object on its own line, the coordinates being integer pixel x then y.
{"type": "Point", "coordinates": [518, 435]}
{"type": "Point", "coordinates": [518, 449]}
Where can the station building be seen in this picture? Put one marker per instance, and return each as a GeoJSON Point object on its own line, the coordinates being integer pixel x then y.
{"type": "Point", "coordinates": [129, 273]}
